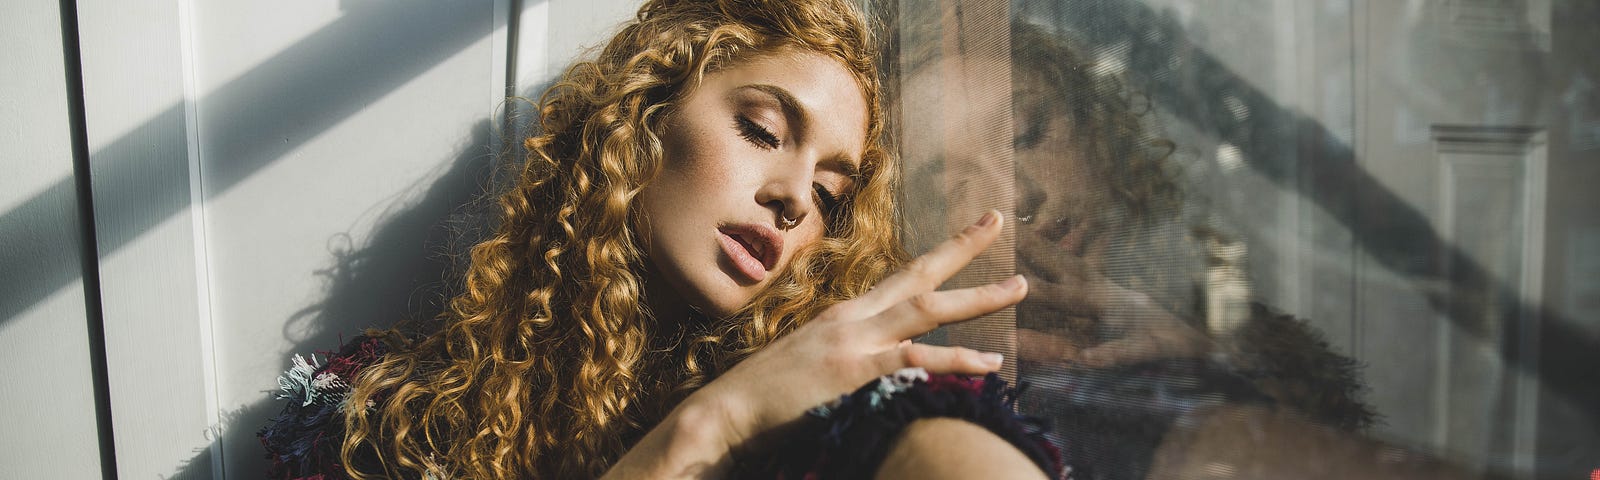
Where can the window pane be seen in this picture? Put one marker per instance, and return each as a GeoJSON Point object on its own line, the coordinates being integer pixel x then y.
{"type": "Point", "coordinates": [1267, 215]}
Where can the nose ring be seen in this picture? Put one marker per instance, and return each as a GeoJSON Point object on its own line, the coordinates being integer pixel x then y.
{"type": "Point", "coordinates": [787, 223]}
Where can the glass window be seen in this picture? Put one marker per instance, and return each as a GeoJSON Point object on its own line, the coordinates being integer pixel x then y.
{"type": "Point", "coordinates": [1273, 233]}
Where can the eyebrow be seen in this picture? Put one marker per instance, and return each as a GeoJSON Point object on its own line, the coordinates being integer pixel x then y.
{"type": "Point", "coordinates": [791, 106]}
{"type": "Point", "coordinates": [794, 110]}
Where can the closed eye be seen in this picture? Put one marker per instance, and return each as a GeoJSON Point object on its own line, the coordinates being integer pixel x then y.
{"type": "Point", "coordinates": [1034, 131]}
{"type": "Point", "coordinates": [755, 133]}
{"type": "Point", "coordinates": [1031, 136]}
{"type": "Point", "coordinates": [827, 201]}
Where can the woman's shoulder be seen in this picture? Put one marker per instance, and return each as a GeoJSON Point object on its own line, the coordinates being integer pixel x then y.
{"type": "Point", "coordinates": [303, 440]}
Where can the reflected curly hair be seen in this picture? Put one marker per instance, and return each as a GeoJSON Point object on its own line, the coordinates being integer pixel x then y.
{"type": "Point", "coordinates": [1107, 119]}
{"type": "Point", "coordinates": [1122, 153]}
{"type": "Point", "coordinates": [548, 363]}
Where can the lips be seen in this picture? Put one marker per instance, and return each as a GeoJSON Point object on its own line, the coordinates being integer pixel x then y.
{"type": "Point", "coordinates": [753, 248]}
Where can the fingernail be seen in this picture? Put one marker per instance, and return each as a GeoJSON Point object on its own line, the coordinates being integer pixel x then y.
{"type": "Point", "coordinates": [988, 218]}
{"type": "Point", "coordinates": [1013, 283]}
{"type": "Point", "coordinates": [993, 360]}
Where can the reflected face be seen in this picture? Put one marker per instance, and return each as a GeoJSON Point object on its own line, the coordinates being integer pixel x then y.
{"type": "Point", "coordinates": [1058, 208]}
{"type": "Point", "coordinates": [1061, 206]}
{"type": "Point", "coordinates": [756, 162]}
{"type": "Point", "coordinates": [1056, 189]}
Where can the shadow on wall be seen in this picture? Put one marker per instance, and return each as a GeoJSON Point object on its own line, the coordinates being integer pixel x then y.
{"type": "Point", "coordinates": [403, 276]}
{"type": "Point", "coordinates": [307, 88]}
{"type": "Point", "coordinates": [410, 256]}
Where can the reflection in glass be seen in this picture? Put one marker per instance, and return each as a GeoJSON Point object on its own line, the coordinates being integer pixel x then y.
{"type": "Point", "coordinates": [1355, 230]}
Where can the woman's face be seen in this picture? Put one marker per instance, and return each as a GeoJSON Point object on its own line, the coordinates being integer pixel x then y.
{"type": "Point", "coordinates": [776, 137]}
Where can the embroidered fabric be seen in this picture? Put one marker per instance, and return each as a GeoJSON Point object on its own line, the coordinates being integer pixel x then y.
{"type": "Point", "coordinates": [302, 441]}
{"type": "Point", "coordinates": [1109, 421]}
{"type": "Point", "coordinates": [846, 438]}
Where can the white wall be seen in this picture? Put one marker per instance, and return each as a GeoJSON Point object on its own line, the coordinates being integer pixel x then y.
{"type": "Point", "coordinates": [268, 179]}
{"type": "Point", "coordinates": [48, 395]}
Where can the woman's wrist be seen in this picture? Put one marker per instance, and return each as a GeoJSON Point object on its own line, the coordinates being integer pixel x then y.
{"type": "Point", "coordinates": [694, 441]}
{"type": "Point", "coordinates": [705, 424]}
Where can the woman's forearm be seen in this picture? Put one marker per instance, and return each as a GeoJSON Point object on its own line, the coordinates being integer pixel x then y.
{"type": "Point", "coordinates": [689, 443]}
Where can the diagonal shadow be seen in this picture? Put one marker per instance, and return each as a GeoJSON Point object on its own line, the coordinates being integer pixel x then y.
{"type": "Point", "coordinates": [1273, 139]}
{"type": "Point", "coordinates": [400, 277]}
{"type": "Point", "coordinates": [304, 89]}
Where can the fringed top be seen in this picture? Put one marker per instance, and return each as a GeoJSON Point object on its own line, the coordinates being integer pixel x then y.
{"type": "Point", "coordinates": [1108, 422]}
{"type": "Point", "coordinates": [303, 440]}
{"type": "Point", "coordinates": [847, 438]}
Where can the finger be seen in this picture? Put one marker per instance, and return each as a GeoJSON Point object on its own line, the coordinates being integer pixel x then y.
{"type": "Point", "coordinates": [925, 312]}
{"type": "Point", "coordinates": [937, 360]}
{"type": "Point", "coordinates": [1072, 298]}
{"type": "Point", "coordinates": [1038, 346]}
{"type": "Point", "coordinates": [931, 269]}
{"type": "Point", "coordinates": [1032, 314]}
{"type": "Point", "coordinates": [1173, 342]}
{"type": "Point", "coordinates": [1050, 263]}
{"type": "Point", "coordinates": [1035, 256]}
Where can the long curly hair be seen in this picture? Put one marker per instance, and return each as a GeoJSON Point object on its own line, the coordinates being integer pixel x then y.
{"type": "Point", "coordinates": [548, 363]}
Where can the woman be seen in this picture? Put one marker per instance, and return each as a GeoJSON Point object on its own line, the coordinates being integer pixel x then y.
{"type": "Point", "coordinates": [694, 254]}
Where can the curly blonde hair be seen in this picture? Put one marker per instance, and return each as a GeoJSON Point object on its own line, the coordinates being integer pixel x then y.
{"type": "Point", "coordinates": [548, 363]}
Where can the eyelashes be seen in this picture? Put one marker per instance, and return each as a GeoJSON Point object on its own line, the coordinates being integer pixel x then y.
{"type": "Point", "coordinates": [830, 203]}
{"type": "Point", "coordinates": [756, 134]}
{"type": "Point", "coordinates": [1033, 134]}
{"type": "Point", "coordinates": [826, 200]}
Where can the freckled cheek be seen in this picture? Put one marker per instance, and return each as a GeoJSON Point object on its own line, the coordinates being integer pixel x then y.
{"type": "Point", "coordinates": [702, 161]}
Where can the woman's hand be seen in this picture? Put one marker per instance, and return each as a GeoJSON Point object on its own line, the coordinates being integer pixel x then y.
{"type": "Point", "coordinates": [1070, 289]}
{"type": "Point", "coordinates": [856, 341]}
{"type": "Point", "coordinates": [846, 346]}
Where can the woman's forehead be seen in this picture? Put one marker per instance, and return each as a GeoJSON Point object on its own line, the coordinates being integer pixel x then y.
{"type": "Point", "coordinates": [816, 79]}
{"type": "Point", "coordinates": [821, 91]}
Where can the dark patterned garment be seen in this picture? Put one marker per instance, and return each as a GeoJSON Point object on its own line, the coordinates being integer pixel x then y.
{"type": "Point", "coordinates": [1095, 424]}
{"type": "Point", "coordinates": [847, 438]}
{"type": "Point", "coordinates": [303, 440]}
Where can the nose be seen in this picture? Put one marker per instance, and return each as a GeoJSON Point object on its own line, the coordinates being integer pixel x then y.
{"type": "Point", "coordinates": [787, 191]}
{"type": "Point", "coordinates": [1030, 197]}
{"type": "Point", "coordinates": [1048, 214]}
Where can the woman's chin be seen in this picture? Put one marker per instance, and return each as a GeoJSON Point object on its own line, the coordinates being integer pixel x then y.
{"type": "Point", "coordinates": [721, 299]}
{"type": "Point", "coordinates": [723, 304]}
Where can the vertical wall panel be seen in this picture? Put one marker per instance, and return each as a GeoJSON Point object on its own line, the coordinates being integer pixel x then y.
{"type": "Point", "coordinates": [337, 164]}
{"type": "Point", "coordinates": [276, 180]}
{"type": "Point", "coordinates": [44, 343]}
{"type": "Point", "coordinates": [134, 88]}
